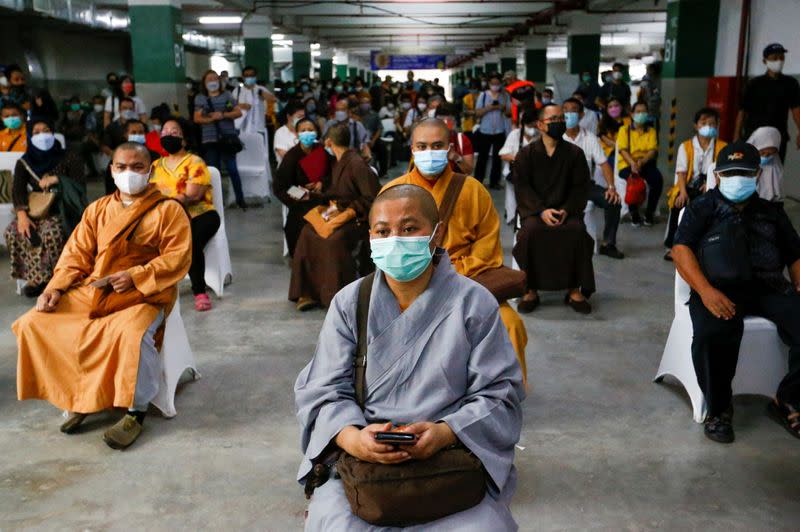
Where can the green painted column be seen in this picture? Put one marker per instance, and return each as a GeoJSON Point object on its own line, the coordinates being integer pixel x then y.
{"type": "Point", "coordinates": [491, 67]}
{"type": "Point", "coordinates": [158, 58]}
{"type": "Point", "coordinates": [508, 63]}
{"type": "Point", "coordinates": [257, 33]}
{"type": "Point", "coordinates": [341, 72]}
{"type": "Point", "coordinates": [326, 64]}
{"type": "Point", "coordinates": [691, 26]}
{"type": "Point", "coordinates": [301, 58]}
{"type": "Point", "coordinates": [352, 72]}
{"type": "Point", "coordinates": [536, 60]}
{"type": "Point", "coordinates": [478, 71]}
{"type": "Point", "coordinates": [361, 73]}
{"type": "Point", "coordinates": [583, 43]}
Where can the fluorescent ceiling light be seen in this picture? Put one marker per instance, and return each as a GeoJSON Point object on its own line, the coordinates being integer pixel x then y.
{"type": "Point", "coordinates": [219, 20]}
{"type": "Point", "coordinates": [277, 36]}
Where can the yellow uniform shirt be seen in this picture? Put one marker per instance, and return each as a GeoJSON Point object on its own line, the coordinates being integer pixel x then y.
{"type": "Point", "coordinates": [638, 142]}
{"type": "Point", "coordinates": [468, 122]}
{"type": "Point", "coordinates": [13, 140]}
{"type": "Point", "coordinates": [172, 182]}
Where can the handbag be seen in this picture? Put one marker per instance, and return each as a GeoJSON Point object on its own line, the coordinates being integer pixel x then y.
{"type": "Point", "coordinates": [635, 190]}
{"type": "Point", "coordinates": [413, 492]}
{"type": "Point", "coordinates": [326, 228]}
{"type": "Point", "coordinates": [228, 142]}
{"type": "Point", "coordinates": [39, 203]}
{"type": "Point", "coordinates": [503, 282]}
{"type": "Point", "coordinates": [724, 254]}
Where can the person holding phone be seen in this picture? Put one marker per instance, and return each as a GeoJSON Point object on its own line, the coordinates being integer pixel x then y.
{"type": "Point", "coordinates": [492, 110]}
{"type": "Point", "coordinates": [552, 184]}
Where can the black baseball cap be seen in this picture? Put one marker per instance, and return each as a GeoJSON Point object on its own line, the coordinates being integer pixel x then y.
{"type": "Point", "coordinates": [774, 48]}
{"type": "Point", "coordinates": [738, 155]}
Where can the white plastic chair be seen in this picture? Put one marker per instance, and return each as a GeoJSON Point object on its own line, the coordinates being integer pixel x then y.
{"type": "Point", "coordinates": [176, 358]}
{"type": "Point", "coordinates": [763, 358]}
{"type": "Point", "coordinates": [60, 138]}
{"type": "Point", "coordinates": [593, 218]}
{"type": "Point", "coordinates": [284, 216]}
{"type": "Point", "coordinates": [253, 164]}
{"type": "Point", "coordinates": [218, 256]}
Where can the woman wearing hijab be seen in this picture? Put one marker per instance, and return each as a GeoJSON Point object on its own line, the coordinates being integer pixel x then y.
{"type": "Point", "coordinates": [35, 245]}
{"type": "Point", "coordinates": [767, 141]}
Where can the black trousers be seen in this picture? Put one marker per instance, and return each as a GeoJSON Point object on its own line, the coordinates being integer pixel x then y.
{"type": "Point", "coordinates": [484, 144]}
{"type": "Point", "coordinates": [381, 154]}
{"type": "Point", "coordinates": [611, 212]}
{"type": "Point", "coordinates": [204, 227]}
{"type": "Point", "coordinates": [715, 345]}
{"type": "Point", "coordinates": [674, 214]}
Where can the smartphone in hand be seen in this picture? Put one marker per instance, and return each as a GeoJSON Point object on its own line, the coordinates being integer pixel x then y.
{"type": "Point", "coordinates": [396, 438]}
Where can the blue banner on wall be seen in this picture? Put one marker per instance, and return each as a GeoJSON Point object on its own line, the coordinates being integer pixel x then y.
{"type": "Point", "coordinates": [406, 62]}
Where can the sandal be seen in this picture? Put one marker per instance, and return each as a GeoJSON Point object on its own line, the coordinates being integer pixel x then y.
{"type": "Point", "coordinates": [202, 303]}
{"type": "Point", "coordinates": [787, 415]}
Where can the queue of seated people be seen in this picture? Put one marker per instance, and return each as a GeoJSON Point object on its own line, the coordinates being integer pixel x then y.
{"type": "Point", "coordinates": [429, 233]}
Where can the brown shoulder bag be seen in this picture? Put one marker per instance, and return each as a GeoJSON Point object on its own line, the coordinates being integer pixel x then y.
{"type": "Point", "coordinates": [504, 283]}
{"type": "Point", "coordinates": [39, 203]}
{"type": "Point", "coordinates": [413, 492]}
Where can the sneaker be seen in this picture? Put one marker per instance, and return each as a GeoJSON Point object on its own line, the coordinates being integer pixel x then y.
{"type": "Point", "coordinates": [123, 434]}
{"type": "Point", "coordinates": [720, 428]}
{"type": "Point", "coordinates": [649, 220]}
{"type": "Point", "coordinates": [610, 250]}
{"type": "Point", "coordinates": [636, 219]}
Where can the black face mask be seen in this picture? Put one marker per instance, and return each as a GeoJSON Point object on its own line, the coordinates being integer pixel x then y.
{"type": "Point", "coordinates": [172, 144]}
{"type": "Point", "coordinates": [555, 130]}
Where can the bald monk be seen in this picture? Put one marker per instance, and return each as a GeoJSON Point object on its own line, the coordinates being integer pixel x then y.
{"type": "Point", "coordinates": [473, 233]}
{"type": "Point", "coordinates": [92, 341]}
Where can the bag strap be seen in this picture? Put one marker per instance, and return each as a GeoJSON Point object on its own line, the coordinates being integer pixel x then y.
{"type": "Point", "coordinates": [30, 170]}
{"type": "Point", "coordinates": [449, 203]}
{"type": "Point", "coordinates": [14, 142]}
{"type": "Point", "coordinates": [360, 361]}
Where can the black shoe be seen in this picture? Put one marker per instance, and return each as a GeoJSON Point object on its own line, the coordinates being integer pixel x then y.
{"type": "Point", "coordinates": [526, 306]}
{"type": "Point", "coordinates": [720, 428]}
{"type": "Point", "coordinates": [649, 220]}
{"type": "Point", "coordinates": [242, 205]}
{"type": "Point", "coordinates": [636, 219]}
{"type": "Point", "coordinates": [668, 256]}
{"type": "Point", "coordinates": [787, 415]}
{"type": "Point", "coordinates": [581, 307]}
{"type": "Point", "coordinates": [610, 250]}
{"type": "Point", "coordinates": [33, 290]}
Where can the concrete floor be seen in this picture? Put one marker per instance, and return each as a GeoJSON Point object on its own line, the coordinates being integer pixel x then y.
{"type": "Point", "coordinates": [604, 447]}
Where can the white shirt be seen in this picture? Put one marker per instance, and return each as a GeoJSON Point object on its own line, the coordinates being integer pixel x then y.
{"type": "Point", "coordinates": [589, 121]}
{"type": "Point", "coordinates": [284, 140]}
{"type": "Point", "coordinates": [592, 150]}
{"type": "Point", "coordinates": [252, 120]}
{"type": "Point", "coordinates": [112, 106]}
{"type": "Point", "coordinates": [702, 159]}
{"type": "Point", "coordinates": [512, 147]}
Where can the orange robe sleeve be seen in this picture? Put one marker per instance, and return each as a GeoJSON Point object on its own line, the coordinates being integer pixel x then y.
{"type": "Point", "coordinates": [175, 253]}
{"type": "Point", "coordinates": [77, 259]}
{"type": "Point", "coordinates": [485, 251]}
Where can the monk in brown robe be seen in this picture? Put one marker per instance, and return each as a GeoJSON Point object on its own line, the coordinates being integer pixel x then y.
{"type": "Point", "coordinates": [92, 341]}
{"type": "Point", "coordinates": [472, 237]}
{"type": "Point", "coordinates": [321, 266]}
{"type": "Point", "coordinates": [551, 184]}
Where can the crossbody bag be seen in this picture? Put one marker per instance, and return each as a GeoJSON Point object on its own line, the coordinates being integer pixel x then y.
{"type": "Point", "coordinates": [39, 203]}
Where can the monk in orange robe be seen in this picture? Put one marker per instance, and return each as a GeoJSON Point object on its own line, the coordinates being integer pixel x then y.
{"type": "Point", "coordinates": [92, 341]}
{"type": "Point", "coordinates": [473, 232]}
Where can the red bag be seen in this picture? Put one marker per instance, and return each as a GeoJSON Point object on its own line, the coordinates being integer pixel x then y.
{"type": "Point", "coordinates": [635, 190]}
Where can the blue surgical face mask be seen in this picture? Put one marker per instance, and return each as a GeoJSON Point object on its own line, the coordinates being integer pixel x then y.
{"type": "Point", "coordinates": [136, 138]}
{"type": "Point", "coordinates": [341, 116]}
{"type": "Point", "coordinates": [403, 258]}
{"type": "Point", "coordinates": [431, 162]}
{"type": "Point", "coordinates": [307, 138]}
{"type": "Point", "coordinates": [330, 151]}
{"type": "Point", "coordinates": [766, 159]}
{"type": "Point", "coordinates": [250, 81]}
{"type": "Point", "coordinates": [212, 86]}
{"type": "Point", "coordinates": [641, 118]}
{"type": "Point", "coordinates": [708, 131]}
{"type": "Point", "coordinates": [12, 122]}
{"type": "Point", "coordinates": [572, 119]}
{"type": "Point", "coordinates": [737, 188]}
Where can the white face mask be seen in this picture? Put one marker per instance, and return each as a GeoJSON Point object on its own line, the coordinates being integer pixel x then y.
{"type": "Point", "coordinates": [131, 182]}
{"type": "Point", "coordinates": [529, 131]}
{"type": "Point", "coordinates": [775, 66]}
{"type": "Point", "coordinates": [43, 141]}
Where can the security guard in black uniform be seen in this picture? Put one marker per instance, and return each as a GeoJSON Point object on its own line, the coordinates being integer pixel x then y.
{"type": "Point", "coordinates": [732, 248]}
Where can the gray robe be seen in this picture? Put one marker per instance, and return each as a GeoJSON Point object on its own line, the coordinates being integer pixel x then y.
{"type": "Point", "coordinates": [447, 357]}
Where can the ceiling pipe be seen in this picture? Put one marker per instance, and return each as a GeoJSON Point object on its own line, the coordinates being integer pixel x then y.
{"type": "Point", "coordinates": [545, 16]}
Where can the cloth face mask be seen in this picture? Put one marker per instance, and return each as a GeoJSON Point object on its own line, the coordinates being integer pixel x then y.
{"type": "Point", "coordinates": [172, 144]}
{"type": "Point", "coordinates": [43, 141]}
{"type": "Point", "coordinates": [431, 162]}
{"type": "Point", "coordinates": [737, 188]}
{"type": "Point", "coordinates": [131, 182]}
{"type": "Point", "coordinates": [403, 258]}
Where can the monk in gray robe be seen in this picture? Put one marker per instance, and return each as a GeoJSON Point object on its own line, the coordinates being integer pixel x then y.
{"type": "Point", "coordinates": [439, 362]}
